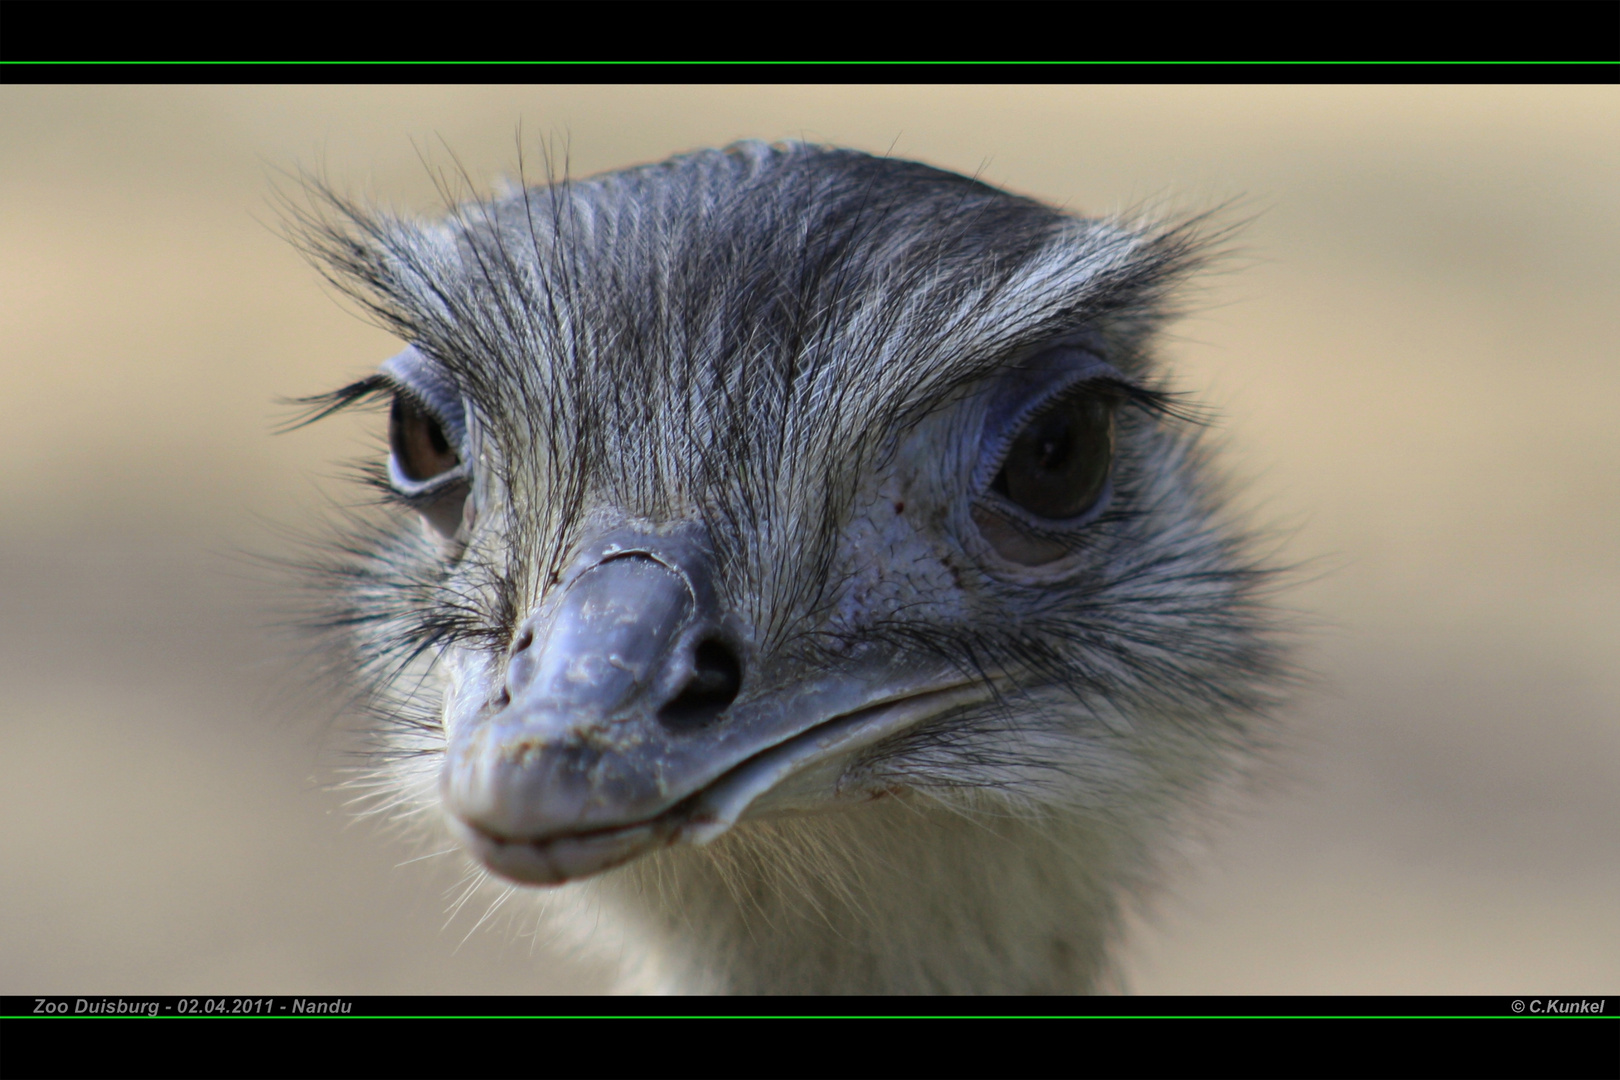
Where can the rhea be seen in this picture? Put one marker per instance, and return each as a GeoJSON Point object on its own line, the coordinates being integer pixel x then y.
{"type": "Point", "coordinates": [801, 572]}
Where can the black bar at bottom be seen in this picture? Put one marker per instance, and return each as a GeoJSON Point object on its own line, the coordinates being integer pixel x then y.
{"type": "Point", "coordinates": [1149, 1037]}
{"type": "Point", "coordinates": [402, 1006]}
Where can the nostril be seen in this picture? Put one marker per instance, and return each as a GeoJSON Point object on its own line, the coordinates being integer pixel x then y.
{"type": "Point", "coordinates": [524, 640]}
{"type": "Point", "coordinates": [716, 678]}
{"type": "Point", "coordinates": [521, 666]}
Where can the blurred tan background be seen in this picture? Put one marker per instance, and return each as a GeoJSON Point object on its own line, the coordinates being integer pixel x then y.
{"type": "Point", "coordinates": [1417, 371]}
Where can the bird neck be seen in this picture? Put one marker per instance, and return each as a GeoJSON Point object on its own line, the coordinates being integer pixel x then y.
{"type": "Point", "coordinates": [895, 896]}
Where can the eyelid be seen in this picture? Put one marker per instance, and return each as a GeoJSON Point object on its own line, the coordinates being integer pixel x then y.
{"type": "Point", "coordinates": [424, 489]}
{"type": "Point", "coordinates": [412, 373]}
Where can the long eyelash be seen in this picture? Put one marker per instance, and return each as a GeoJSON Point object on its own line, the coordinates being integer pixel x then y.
{"type": "Point", "coordinates": [370, 390]}
{"type": "Point", "coordinates": [1162, 404]}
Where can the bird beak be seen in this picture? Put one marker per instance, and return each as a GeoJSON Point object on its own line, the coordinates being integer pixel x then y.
{"type": "Point", "coordinates": [630, 720]}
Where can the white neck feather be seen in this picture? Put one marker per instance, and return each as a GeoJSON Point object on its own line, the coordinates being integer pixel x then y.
{"type": "Point", "coordinates": [897, 896]}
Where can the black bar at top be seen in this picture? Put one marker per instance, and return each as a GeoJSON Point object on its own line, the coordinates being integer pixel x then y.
{"type": "Point", "coordinates": [1428, 33]}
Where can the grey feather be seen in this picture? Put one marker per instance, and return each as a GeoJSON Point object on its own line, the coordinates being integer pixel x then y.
{"type": "Point", "coordinates": [790, 352]}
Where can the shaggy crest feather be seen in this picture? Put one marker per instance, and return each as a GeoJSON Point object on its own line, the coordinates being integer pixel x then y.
{"type": "Point", "coordinates": [770, 379]}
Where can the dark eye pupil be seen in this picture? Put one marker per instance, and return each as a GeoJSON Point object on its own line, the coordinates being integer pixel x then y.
{"type": "Point", "coordinates": [418, 442]}
{"type": "Point", "coordinates": [1054, 444]}
{"type": "Point", "coordinates": [436, 437]}
{"type": "Point", "coordinates": [1059, 463]}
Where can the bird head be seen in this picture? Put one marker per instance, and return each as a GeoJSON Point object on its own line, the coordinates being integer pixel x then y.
{"type": "Point", "coordinates": [777, 480]}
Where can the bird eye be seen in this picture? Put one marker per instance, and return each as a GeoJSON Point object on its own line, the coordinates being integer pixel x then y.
{"type": "Point", "coordinates": [421, 450]}
{"type": "Point", "coordinates": [1058, 464]}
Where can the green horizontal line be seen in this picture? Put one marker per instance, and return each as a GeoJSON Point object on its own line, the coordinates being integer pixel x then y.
{"type": "Point", "coordinates": [813, 63]}
{"type": "Point", "coordinates": [815, 1016]}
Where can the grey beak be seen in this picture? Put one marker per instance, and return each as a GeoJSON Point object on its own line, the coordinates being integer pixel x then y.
{"type": "Point", "coordinates": [629, 720]}
{"type": "Point", "coordinates": [604, 645]}
{"type": "Point", "coordinates": [599, 682]}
